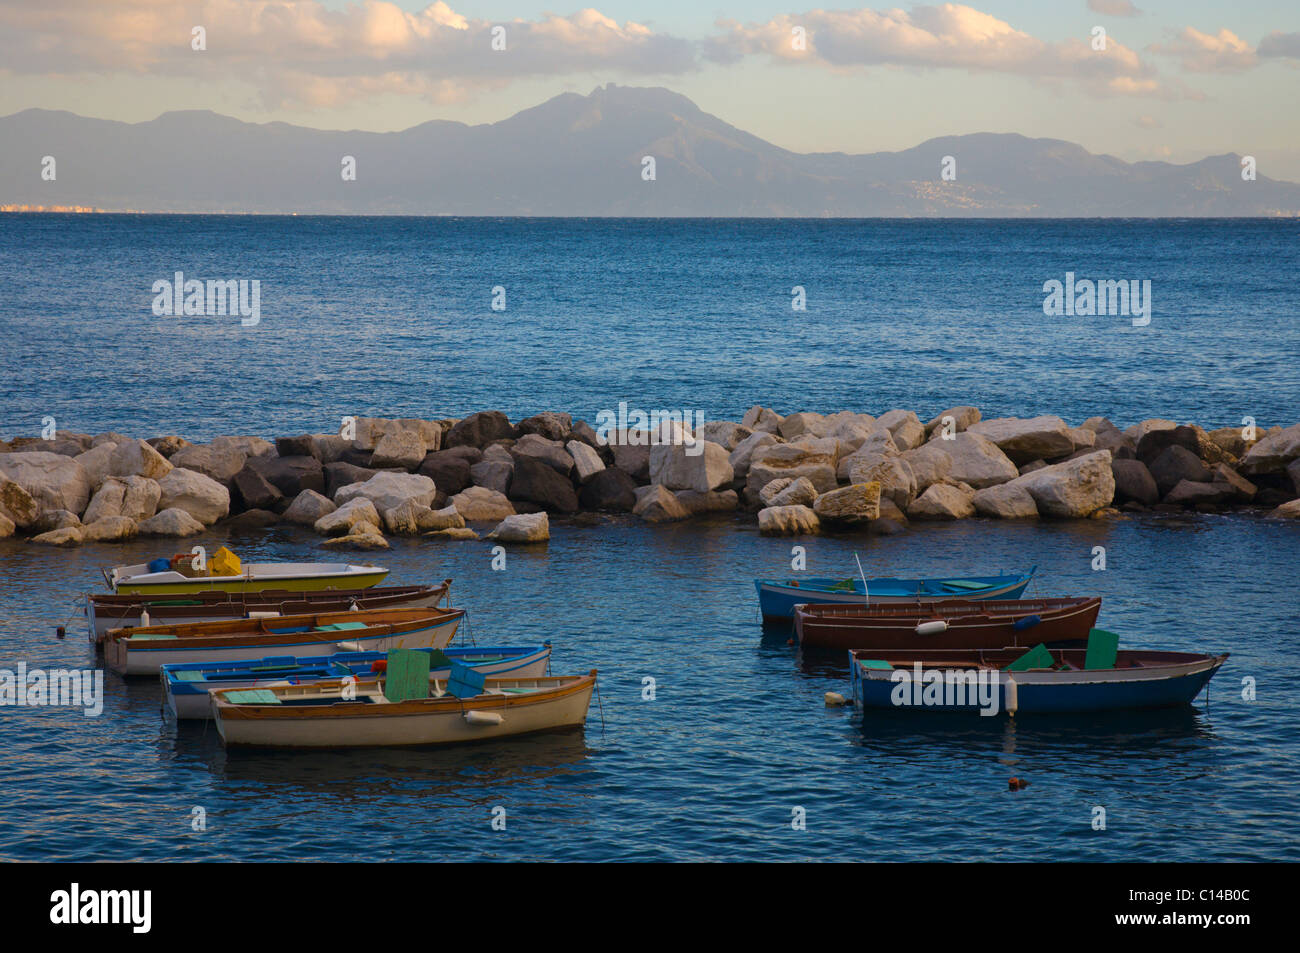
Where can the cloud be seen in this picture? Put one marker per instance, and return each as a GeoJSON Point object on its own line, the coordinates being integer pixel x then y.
{"type": "Point", "coordinates": [1280, 44]}
{"type": "Point", "coordinates": [1114, 8]}
{"type": "Point", "coordinates": [301, 50]}
{"type": "Point", "coordinates": [1148, 122]}
{"type": "Point", "coordinates": [1209, 53]}
{"type": "Point", "coordinates": [951, 36]}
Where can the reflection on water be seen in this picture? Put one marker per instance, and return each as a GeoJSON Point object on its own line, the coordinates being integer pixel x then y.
{"type": "Point", "coordinates": [1136, 735]}
{"type": "Point", "coordinates": [372, 773]}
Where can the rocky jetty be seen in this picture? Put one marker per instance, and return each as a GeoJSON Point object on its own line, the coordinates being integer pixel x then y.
{"type": "Point", "coordinates": [792, 474]}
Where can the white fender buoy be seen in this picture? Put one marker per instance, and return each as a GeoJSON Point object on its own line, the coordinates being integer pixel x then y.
{"type": "Point", "coordinates": [144, 617]}
{"type": "Point", "coordinates": [483, 718]}
{"type": "Point", "coordinates": [349, 646]}
{"type": "Point", "coordinates": [834, 700]}
{"type": "Point", "coordinates": [1012, 695]}
{"type": "Point", "coordinates": [933, 627]}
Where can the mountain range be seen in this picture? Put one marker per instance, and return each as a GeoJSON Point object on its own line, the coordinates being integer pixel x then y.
{"type": "Point", "coordinates": [579, 155]}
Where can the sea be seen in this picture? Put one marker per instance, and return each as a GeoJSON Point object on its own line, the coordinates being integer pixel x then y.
{"type": "Point", "coordinates": [709, 739]}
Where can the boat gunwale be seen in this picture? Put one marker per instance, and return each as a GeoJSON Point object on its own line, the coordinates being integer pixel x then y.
{"type": "Point", "coordinates": [1165, 665]}
{"type": "Point", "coordinates": [815, 585]}
{"type": "Point", "coordinates": [566, 685]}
{"type": "Point", "coordinates": [505, 653]}
{"type": "Point", "coordinates": [964, 611]}
{"type": "Point", "coordinates": [241, 631]}
{"type": "Point", "coordinates": [209, 598]}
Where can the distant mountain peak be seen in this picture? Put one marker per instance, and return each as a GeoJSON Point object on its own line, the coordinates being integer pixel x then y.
{"type": "Point", "coordinates": [585, 155]}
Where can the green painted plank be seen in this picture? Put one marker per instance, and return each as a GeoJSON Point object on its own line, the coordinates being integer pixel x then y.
{"type": "Point", "coordinates": [407, 676]}
{"type": "Point", "coordinates": [1037, 657]}
{"type": "Point", "coordinates": [1103, 649]}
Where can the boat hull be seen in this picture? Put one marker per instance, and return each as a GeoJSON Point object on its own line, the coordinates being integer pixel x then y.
{"type": "Point", "coordinates": [193, 700]}
{"type": "Point", "coordinates": [247, 584]}
{"type": "Point", "coordinates": [104, 616]}
{"type": "Point", "coordinates": [426, 722]}
{"type": "Point", "coordinates": [970, 625]}
{"type": "Point", "coordinates": [147, 659]}
{"type": "Point", "coordinates": [1171, 685]}
{"type": "Point", "coordinates": [777, 598]}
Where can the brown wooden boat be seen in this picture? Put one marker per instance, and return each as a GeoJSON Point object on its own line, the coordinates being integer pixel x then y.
{"type": "Point", "coordinates": [144, 650]}
{"type": "Point", "coordinates": [107, 612]}
{"type": "Point", "coordinates": [987, 624]}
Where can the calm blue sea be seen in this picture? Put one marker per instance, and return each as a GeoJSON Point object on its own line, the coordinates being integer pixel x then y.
{"type": "Point", "coordinates": [393, 317]}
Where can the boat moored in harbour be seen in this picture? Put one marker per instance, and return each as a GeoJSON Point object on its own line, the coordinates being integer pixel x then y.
{"type": "Point", "coordinates": [143, 651]}
{"type": "Point", "coordinates": [188, 686]}
{"type": "Point", "coordinates": [990, 624]}
{"type": "Point", "coordinates": [778, 597]}
{"type": "Point", "coordinates": [1013, 681]}
{"type": "Point", "coordinates": [107, 612]}
{"type": "Point", "coordinates": [178, 575]}
{"type": "Point", "coordinates": [338, 715]}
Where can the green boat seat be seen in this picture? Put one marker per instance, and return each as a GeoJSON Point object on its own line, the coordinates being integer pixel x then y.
{"type": "Point", "coordinates": [142, 637]}
{"type": "Point", "coordinates": [252, 696]}
{"type": "Point", "coordinates": [189, 676]}
{"type": "Point", "coordinates": [1103, 649]}
{"type": "Point", "coordinates": [407, 675]}
{"type": "Point", "coordinates": [439, 659]}
{"type": "Point", "coordinates": [875, 663]}
{"type": "Point", "coordinates": [340, 626]}
{"type": "Point", "coordinates": [845, 585]}
{"type": "Point", "coordinates": [965, 584]}
{"type": "Point", "coordinates": [1037, 657]}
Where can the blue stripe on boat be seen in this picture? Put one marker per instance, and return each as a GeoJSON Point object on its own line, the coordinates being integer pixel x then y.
{"type": "Point", "coordinates": [778, 597]}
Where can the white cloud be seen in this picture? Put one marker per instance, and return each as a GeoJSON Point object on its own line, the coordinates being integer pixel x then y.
{"type": "Point", "coordinates": [1208, 53]}
{"type": "Point", "coordinates": [950, 36]}
{"type": "Point", "coordinates": [301, 50]}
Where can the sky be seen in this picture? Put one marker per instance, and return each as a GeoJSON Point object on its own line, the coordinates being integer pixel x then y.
{"type": "Point", "coordinates": [1176, 80]}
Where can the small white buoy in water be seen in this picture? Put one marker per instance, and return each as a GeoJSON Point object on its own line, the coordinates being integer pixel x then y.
{"type": "Point", "coordinates": [483, 718]}
{"type": "Point", "coordinates": [933, 627]}
{"type": "Point", "coordinates": [835, 700]}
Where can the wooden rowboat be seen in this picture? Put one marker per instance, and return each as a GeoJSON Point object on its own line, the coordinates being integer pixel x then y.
{"type": "Point", "coordinates": [991, 624]}
{"type": "Point", "coordinates": [322, 716]}
{"type": "Point", "coordinates": [107, 612]}
{"type": "Point", "coordinates": [189, 686]}
{"type": "Point", "coordinates": [778, 597]}
{"type": "Point", "coordinates": [181, 579]}
{"type": "Point", "coordinates": [978, 681]}
{"type": "Point", "coordinates": [143, 651]}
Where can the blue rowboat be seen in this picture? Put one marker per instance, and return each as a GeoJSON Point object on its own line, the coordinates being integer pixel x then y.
{"type": "Point", "coordinates": [778, 597]}
{"type": "Point", "coordinates": [1046, 681]}
{"type": "Point", "coordinates": [188, 685]}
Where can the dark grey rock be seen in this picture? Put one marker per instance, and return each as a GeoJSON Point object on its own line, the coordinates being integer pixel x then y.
{"type": "Point", "coordinates": [610, 490]}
